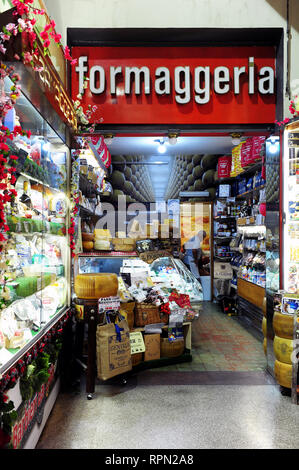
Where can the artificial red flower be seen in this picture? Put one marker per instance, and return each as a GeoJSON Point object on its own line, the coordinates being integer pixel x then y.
{"type": "Point", "coordinates": [47, 43]}
{"type": "Point", "coordinates": [44, 35]}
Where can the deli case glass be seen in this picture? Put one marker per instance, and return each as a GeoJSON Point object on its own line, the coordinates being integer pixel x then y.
{"type": "Point", "coordinates": [35, 261]}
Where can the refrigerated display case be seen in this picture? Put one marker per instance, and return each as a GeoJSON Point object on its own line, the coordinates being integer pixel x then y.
{"type": "Point", "coordinates": [290, 252]}
{"type": "Point", "coordinates": [35, 263]}
{"type": "Point", "coordinates": [273, 241]}
{"type": "Point", "coordinates": [172, 273]}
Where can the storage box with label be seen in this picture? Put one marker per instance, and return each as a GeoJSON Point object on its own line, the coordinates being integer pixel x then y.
{"type": "Point", "coordinates": [223, 271]}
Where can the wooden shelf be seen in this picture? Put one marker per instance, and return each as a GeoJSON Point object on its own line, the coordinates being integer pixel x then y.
{"type": "Point", "coordinates": [251, 191]}
{"type": "Point", "coordinates": [224, 217]}
{"type": "Point", "coordinates": [252, 169]}
{"type": "Point", "coordinates": [87, 213]}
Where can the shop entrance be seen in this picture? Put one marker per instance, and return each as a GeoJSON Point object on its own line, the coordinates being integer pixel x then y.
{"type": "Point", "coordinates": [166, 195]}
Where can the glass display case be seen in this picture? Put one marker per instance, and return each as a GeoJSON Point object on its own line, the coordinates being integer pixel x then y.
{"type": "Point", "coordinates": [35, 261]}
{"type": "Point", "coordinates": [291, 209]}
{"type": "Point", "coordinates": [172, 273]}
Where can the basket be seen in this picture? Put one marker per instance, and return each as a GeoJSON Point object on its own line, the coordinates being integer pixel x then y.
{"type": "Point", "coordinates": [127, 311]}
{"type": "Point", "coordinates": [146, 314]}
{"type": "Point", "coordinates": [136, 359]}
{"type": "Point", "coordinates": [173, 348]}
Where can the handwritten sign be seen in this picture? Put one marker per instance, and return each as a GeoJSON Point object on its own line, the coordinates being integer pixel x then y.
{"type": "Point", "coordinates": [137, 343]}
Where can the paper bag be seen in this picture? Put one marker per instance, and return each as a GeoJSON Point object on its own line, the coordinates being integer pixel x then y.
{"type": "Point", "coordinates": [113, 349]}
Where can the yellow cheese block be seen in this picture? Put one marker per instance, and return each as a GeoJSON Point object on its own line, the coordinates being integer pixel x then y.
{"type": "Point", "coordinates": [283, 374]}
{"type": "Point", "coordinates": [264, 326]}
{"type": "Point", "coordinates": [102, 233]}
{"type": "Point", "coordinates": [283, 349]}
{"type": "Point", "coordinates": [118, 247]}
{"type": "Point", "coordinates": [120, 234]}
{"type": "Point", "coordinates": [283, 325]}
{"type": "Point", "coordinates": [95, 286]}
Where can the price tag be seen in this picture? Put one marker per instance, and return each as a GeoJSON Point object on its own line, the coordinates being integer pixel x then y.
{"type": "Point", "coordinates": [137, 343]}
{"type": "Point", "coordinates": [108, 303]}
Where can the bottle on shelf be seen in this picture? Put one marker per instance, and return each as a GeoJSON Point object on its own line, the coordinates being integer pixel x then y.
{"type": "Point", "coordinates": [25, 198]}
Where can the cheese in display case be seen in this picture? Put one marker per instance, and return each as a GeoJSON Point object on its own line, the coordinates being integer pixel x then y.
{"type": "Point", "coordinates": [291, 208]}
{"type": "Point", "coordinates": [34, 262]}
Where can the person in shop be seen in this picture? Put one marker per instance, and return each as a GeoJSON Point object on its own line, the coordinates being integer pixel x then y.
{"type": "Point", "coordinates": [192, 253]}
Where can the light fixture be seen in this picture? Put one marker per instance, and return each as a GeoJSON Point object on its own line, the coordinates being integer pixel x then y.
{"type": "Point", "coordinates": [172, 138]}
{"type": "Point", "coordinates": [236, 138]}
{"type": "Point", "coordinates": [108, 139]}
{"type": "Point", "coordinates": [161, 147]}
{"type": "Point", "coordinates": [273, 147]}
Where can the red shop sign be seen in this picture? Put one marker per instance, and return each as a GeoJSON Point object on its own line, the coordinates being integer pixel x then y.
{"type": "Point", "coordinates": [177, 85]}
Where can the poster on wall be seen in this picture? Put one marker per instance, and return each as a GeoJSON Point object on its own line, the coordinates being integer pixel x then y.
{"type": "Point", "coordinates": [195, 224]}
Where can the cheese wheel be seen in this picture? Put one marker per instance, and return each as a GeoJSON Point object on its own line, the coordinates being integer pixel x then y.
{"type": "Point", "coordinates": [283, 325]}
{"type": "Point", "coordinates": [264, 306]}
{"type": "Point", "coordinates": [87, 237]}
{"type": "Point", "coordinates": [264, 326]}
{"type": "Point", "coordinates": [283, 374]}
{"type": "Point", "coordinates": [95, 286]}
{"type": "Point", "coordinates": [87, 246]}
{"type": "Point", "coordinates": [283, 349]}
{"type": "Point", "coordinates": [102, 233]}
{"type": "Point", "coordinates": [101, 244]}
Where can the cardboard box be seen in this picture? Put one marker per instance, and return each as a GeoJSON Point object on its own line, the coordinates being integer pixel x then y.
{"type": "Point", "coordinates": [152, 347]}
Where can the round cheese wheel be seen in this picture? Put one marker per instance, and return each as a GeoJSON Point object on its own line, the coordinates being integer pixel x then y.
{"type": "Point", "coordinates": [87, 237]}
{"type": "Point", "coordinates": [209, 161]}
{"type": "Point", "coordinates": [208, 177]}
{"type": "Point", "coordinates": [190, 179]}
{"type": "Point", "coordinates": [120, 159]}
{"type": "Point", "coordinates": [264, 306]}
{"type": "Point", "coordinates": [190, 168]}
{"type": "Point", "coordinates": [264, 326]}
{"type": "Point", "coordinates": [198, 185]}
{"type": "Point", "coordinates": [95, 286]}
{"type": "Point", "coordinates": [198, 171]}
{"type": "Point", "coordinates": [283, 325]}
{"type": "Point", "coordinates": [87, 246]}
{"type": "Point", "coordinates": [117, 179]}
{"type": "Point", "coordinates": [283, 374]}
{"type": "Point", "coordinates": [283, 349]}
{"type": "Point", "coordinates": [101, 244]}
{"type": "Point", "coordinates": [196, 159]}
{"type": "Point", "coordinates": [128, 187]}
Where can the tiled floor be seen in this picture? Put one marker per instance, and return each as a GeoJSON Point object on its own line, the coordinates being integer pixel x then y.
{"type": "Point", "coordinates": [221, 343]}
{"type": "Point", "coordinates": [223, 399]}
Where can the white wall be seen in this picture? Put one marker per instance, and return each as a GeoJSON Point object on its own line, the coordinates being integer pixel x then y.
{"type": "Point", "coordinates": [180, 14]}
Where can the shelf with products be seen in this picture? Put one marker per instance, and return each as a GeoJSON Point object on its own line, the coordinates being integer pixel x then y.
{"type": "Point", "coordinates": [250, 192]}
{"type": "Point", "coordinates": [84, 212]}
{"type": "Point", "coordinates": [290, 209]}
{"type": "Point", "coordinates": [34, 267]}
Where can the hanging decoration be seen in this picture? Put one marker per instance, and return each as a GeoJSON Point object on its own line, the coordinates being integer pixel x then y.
{"type": "Point", "coordinates": [25, 15]}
